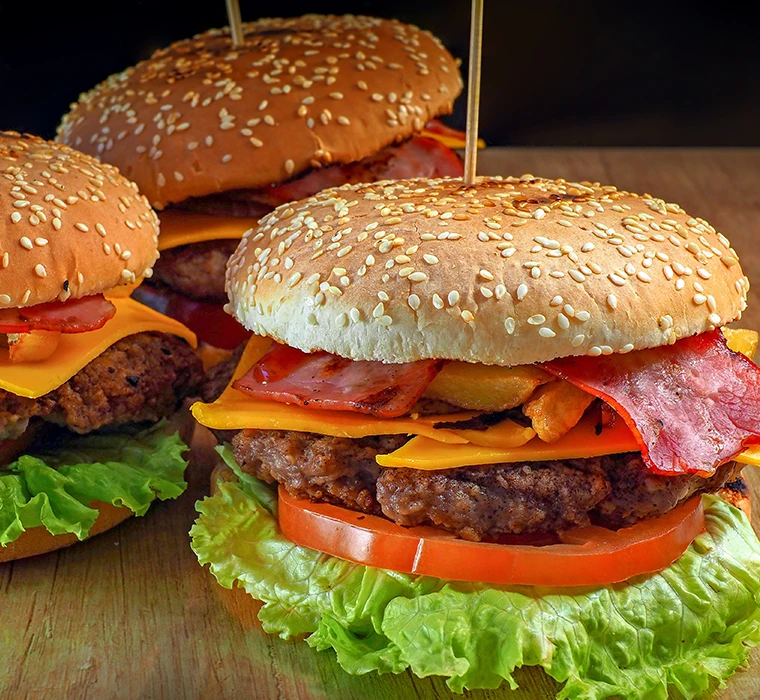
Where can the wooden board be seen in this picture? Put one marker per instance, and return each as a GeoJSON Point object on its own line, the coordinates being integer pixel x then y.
{"type": "Point", "coordinates": [130, 614]}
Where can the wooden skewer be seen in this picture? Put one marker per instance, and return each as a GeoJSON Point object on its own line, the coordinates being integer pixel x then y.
{"type": "Point", "coordinates": [236, 24]}
{"type": "Point", "coordinates": [473, 93]}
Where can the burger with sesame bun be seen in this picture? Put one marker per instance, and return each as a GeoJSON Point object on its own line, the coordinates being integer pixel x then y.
{"type": "Point", "coordinates": [217, 136]}
{"type": "Point", "coordinates": [90, 380]}
{"type": "Point", "coordinates": [478, 429]}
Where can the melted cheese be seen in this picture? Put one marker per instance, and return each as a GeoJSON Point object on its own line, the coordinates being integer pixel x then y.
{"type": "Point", "coordinates": [234, 410]}
{"type": "Point", "coordinates": [183, 227]}
{"type": "Point", "coordinates": [580, 442]}
{"type": "Point", "coordinates": [750, 456]}
{"type": "Point", "coordinates": [449, 141]}
{"type": "Point", "coordinates": [75, 350]}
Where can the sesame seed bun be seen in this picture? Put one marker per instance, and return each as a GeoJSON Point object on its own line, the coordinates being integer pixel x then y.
{"type": "Point", "coordinates": [38, 540]}
{"type": "Point", "coordinates": [508, 272]}
{"type": "Point", "coordinates": [72, 226]}
{"type": "Point", "coordinates": [201, 116]}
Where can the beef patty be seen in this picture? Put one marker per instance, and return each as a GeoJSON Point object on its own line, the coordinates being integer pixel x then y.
{"type": "Point", "coordinates": [196, 270]}
{"type": "Point", "coordinates": [143, 377]}
{"type": "Point", "coordinates": [473, 502]}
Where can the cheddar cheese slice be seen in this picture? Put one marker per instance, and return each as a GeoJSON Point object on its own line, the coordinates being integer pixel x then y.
{"type": "Point", "coordinates": [580, 442]}
{"type": "Point", "coordinates": [75, 350]}
{"type": "Point", "coordinates": [452, 142]}
{"type": "Point", "coordinates": [234, 410]}
{"type": "Point", "coordinates": [184, 227]}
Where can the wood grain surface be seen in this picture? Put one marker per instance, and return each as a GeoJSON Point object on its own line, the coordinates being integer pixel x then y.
{"type": "Point", "coordinates": [130, 614]}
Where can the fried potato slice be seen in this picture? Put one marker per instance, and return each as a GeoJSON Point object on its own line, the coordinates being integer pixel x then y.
{"type": "Point", "coordinates": [741, 340]}
{"type": "Point", "coordinates": [32, 347]}
{"type": "Point", "coordinates": [555, 408]}
{"type": "Point", "coordinates": [486, 387]}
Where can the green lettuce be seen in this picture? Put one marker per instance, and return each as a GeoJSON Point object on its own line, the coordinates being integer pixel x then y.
{"type": "Point", "coordinates": [55, 489]}
{"type": "Point", "coordinates": [692, 623]}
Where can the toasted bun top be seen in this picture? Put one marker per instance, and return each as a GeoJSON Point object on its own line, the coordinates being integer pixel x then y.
{"type": "Point", "coordinates": [507, 272]}
{"type": "Point", "coordinates": [70, 226]}
{"type": "Point", "coordinates": [201, 116]}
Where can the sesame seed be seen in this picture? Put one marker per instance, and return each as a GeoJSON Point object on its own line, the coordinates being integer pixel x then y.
{"type": "Point", "coordinates": [612, 301]}
{"type": "Point", "coordinates": [430, 259]}
{"type": "Point", "coordinates": [290, 166]}
{"type": "Point", "coordinates": [563, 321]}
{"type": "Point", "coordinates": [437, 301]}
{"type": "Point", "coordinates": [699, 299]}
{"type": "Point", "coordinates": [26, 242]}
{"type": "Point", "coordinates": [414, 301]}
{"type": "Point", "coordinates": [714, 319]}
{"type": "Point", "coordinates": [15, 217]}
{"type": "Point", "coordinates": [537, 319]}
{"type": "Point", "coordinates": [522, 292]}
{"type": "Point", "coordinates": [82, 227]}
{"type": "Point", "coordinates": [418, 276]}
{"type": "Point", "coordinates": [453, 297]}
{"type": "Point", "coordinates": [385, 320]}
{"type": "Point", "coordinates": [546, 332]}
{"type": "Point", "coordinates": [40, 270]}
{"type": "Point", "coordinates": [582, 315]}
{"type": "Point", "coordinates": [467, 316]}
{"type": "Point", "coordinates": [509, 325]}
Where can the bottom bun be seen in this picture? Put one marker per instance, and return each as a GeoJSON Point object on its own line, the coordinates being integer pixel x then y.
{"type": "Point", "coordinates": [736, 493]}
{"type": "Point", "coordinates": [38, 540]}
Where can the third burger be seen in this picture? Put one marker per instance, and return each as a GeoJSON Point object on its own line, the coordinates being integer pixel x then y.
{"type": "Point", "coordinates": [216, 136]}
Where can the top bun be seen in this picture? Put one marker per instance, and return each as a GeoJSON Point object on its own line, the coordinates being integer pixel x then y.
{"type": "Point", "coordinates": [506, 272]}
{"type": "Point", "coordinates": [70, 226]}
{"type": "Point", "coordinates": [202, 117]}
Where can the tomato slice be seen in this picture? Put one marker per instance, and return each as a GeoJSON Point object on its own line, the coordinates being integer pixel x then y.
{"type": "Point", "coordinates": [72, 316]}
{"type": "Point", "coordinates": [210, 322]}
{"type": "Point", "coordinates": [588, 556]}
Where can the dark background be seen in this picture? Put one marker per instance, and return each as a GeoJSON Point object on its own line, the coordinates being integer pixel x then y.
{"type": "Point", "coordinates": [554, 73]}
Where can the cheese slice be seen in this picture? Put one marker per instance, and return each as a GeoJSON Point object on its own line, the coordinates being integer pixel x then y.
{"type": "Point", "coordinates": [449, 141]}
{"type": "Point", "coordinates": [234, 410]}
{"type": "Point", "coordinates": [75, 350]}
{"type": "Point", "coordinates": [750, 456]}
{"type": "Point", "coordinates": [183, 227]}
{"type": "Point", "coordinates": [580, 442]}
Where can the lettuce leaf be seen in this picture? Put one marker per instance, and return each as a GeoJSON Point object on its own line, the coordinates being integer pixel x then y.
{"type": "Point", "coordinates": [56, 488]}
{"type": "Point", "coordinates": [681, 628]}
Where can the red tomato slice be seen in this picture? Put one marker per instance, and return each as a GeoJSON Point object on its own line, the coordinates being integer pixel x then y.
{"type": "Point", "coordinates": [208, 321]}
{"type": "Point", "coordinates": [589, 556]}
{"type": "Point", "coordinates": [72, 316]}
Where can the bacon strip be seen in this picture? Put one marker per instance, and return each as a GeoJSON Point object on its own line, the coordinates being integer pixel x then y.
{"type": "Point", "coordinates": [330, 382]}
{"type": "Point", "coordinates": [691, 406]}
{"type": "Point", "coordinates": [72, 316]}
{"type": "Point", "coordinates": [418, 157]}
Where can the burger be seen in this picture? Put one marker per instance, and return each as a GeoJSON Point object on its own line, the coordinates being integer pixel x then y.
{"type": "Point", "coordinates": [489, 426]}
{"type": "Point", "coordinates": [90, 379]}
{"type": "Point", "coordinates": [216, 136]}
